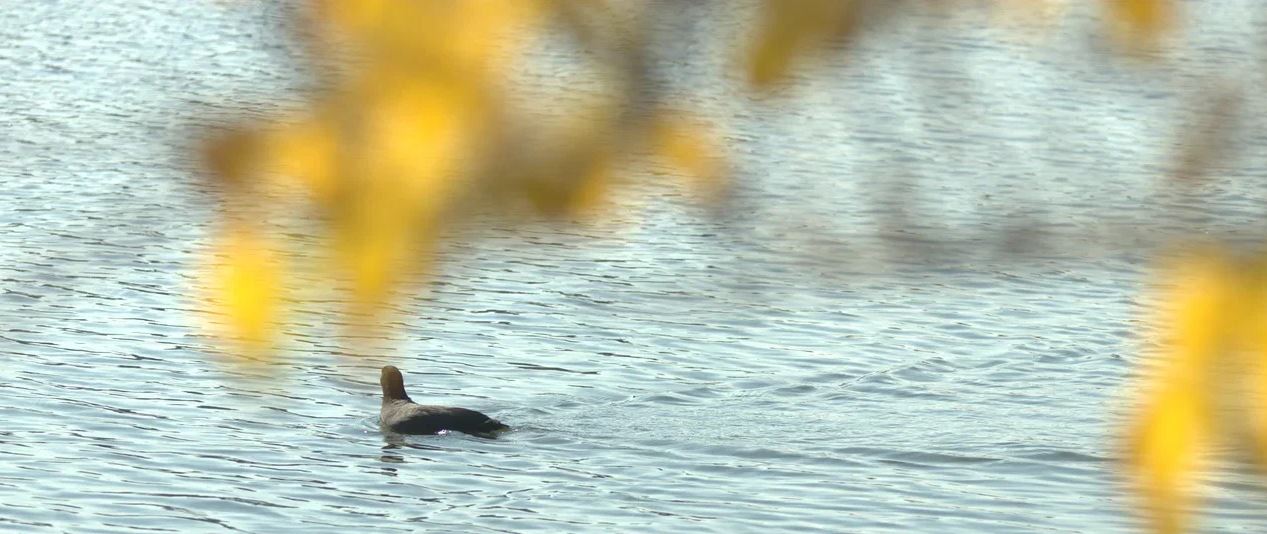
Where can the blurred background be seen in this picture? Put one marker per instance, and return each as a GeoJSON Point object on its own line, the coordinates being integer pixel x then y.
{"type": "Point", "coordinates": [859, 266]}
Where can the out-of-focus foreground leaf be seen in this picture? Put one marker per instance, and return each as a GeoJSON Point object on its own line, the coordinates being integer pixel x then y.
{"type": "Point", "coordinates": [790, 29]}
{"type": "Point", "coordinates": [245, 285]}
{"type": "Point", "coordinates": [414, 132]}
{"type": "Point", "coordinates": [1138, 25]}
{"type": "Point", "coordinates": [1209, 388]}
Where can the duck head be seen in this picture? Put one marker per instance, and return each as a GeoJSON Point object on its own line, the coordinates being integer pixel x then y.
{"type": "Point", "coordinates": [393, 384]}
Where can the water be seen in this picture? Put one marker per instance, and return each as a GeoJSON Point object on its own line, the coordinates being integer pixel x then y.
{"type": "Point", "coordinates": [765, 371]}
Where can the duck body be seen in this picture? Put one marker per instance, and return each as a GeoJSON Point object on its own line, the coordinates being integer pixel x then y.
{"type": "Point", "coordinates": [402, 415]}
{"type": "Point", "coordinates": [408, 417]}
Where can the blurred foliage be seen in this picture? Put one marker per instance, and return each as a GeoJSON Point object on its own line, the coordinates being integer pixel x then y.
{"type": "Point", "coordinates": [414, 132]}
{"type": "Point", "coordinates": [1208, 391]}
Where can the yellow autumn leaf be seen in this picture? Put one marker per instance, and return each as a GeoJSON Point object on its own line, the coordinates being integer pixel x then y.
{"type": "Point", "coordinates": [1258, 405]}
{"type": "Point", "coordinates": [371, 249]}
{"type": "Point", "coordinates": [358, 17]}
{"type": "Point", "coordinates": [306, 151]}
{"type": "Point", "coordinates": [415, 128]}
{"type": "Point", "coordinates": [1171, 432]}
{"type": "Point", "coordinates": [592, 186]}
{"type": "Point", "coordinates": [571, 171]}
{"type": "Point", "coordinates": [1254, 310]}
{"type": "Point", "coordinates": [789, 29]}
{"type": "Point", "coordinates": [573, 182]}
{"type": "Point", "coordinates": [484, 31]}
{"type": "Point", "coordinates": [1197, 307]}
{"type": "Point", "coordinates": [415, 132]}
{"type": "Point", "coordinates": [690, 147]}
{"type": "Point", "coordinates": [461, 36]}
{"type": "Point", "coordinates": [245, 285]}
{"type": "Point", "coordinates": [1166, 443]}
{"type": "Point", "coordinates": [1138, 24]}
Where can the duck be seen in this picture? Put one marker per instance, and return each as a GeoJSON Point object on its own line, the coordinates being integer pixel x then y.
{"type": "Point", "coordinates": [402, 415]}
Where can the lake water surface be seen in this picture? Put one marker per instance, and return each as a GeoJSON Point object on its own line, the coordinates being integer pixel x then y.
{"type": "Point", "coordinates": [762, 371]}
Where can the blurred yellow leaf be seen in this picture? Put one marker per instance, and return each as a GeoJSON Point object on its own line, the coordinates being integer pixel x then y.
{"type": "Point", "coordinates": [413, 128]}
{"type": "Point", "coordinates": [245, 285]}
{"type": "Point", "coordinates": [791, 28]}
{"type": "Point", "coordinates": [593, 183]}
{"type": "Point", "coordinates": [1167, 443]}
{"type": "Point", "coordinates": [691, 148]}
{"type": "Point", "coordinates": [571, 173]}
{"type": "Point", "coordinates": [1257, 398]}
{"type": "Point", "coordinates": [372, 248]}
{"type": "Point", "coordinates": [413, 132]}
{"type": "Point", "coordinates": [574, 183]}
{"type": "Point", "coordinates": [1175, 423]}
{"type": "Point", "coordinates": [1138, 24]}
{"type": "Point", "coordinates": [461, 36]}
{"type": "Point", "coordinates": [307, 151]}
{"type": "Point", "coordinates": [1198, 311]}
{"type": "Point", "coordinates": [1253, 308]}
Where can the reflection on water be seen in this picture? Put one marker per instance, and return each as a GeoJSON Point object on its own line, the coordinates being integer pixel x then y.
{"type": "Point", "coordinates": [391, 455]}
{"type": "Point", "coordinates": [685, 374]}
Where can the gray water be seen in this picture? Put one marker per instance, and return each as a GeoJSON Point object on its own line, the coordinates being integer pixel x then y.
{"type": "Point", "coordinates": [783, 367]}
